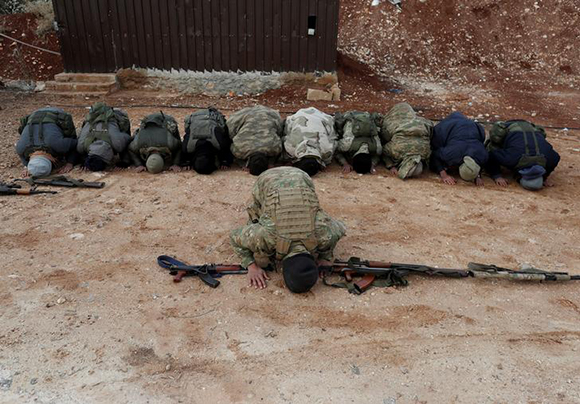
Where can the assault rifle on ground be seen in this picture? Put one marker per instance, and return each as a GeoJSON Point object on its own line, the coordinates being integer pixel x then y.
{"type": "Point", "coordinates": [394, 274]}
{"type": "Point", "coordinates": [62, 181]}
{"type": "Point", "coordinates": [370, 273]}
{"type": "Point", "coordinates": [207, 272]}
{"type": "Point", "coordinates": [15, 189]}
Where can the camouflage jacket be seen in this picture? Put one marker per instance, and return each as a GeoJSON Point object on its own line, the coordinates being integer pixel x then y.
{"type": "Point", "coordinates": [310, 133]}
{"type": "Point", "coordinates": [257, 241]}
{"type": "Point", "coordinates": [405, 134]}
{"type": "Point", "coordinates": [255, 130]}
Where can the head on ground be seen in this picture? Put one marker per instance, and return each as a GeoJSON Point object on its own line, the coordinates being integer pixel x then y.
{"type": "Point", "coordinates": [204, 158]}
{"type": "Point", "coordinates": [155, 163]}
{"type": "Point", "coordinates": [258, 163]}
{"type": "Point", "coordinates": [300, 273]}
{"type": "Point", "coordinates": [309, 165]}
{"type": "Point", "coordinates": [362, 163]}
{"type": "Point", "coordinates": [39, 166]}
{"type": "Point", "coordinates": [469, 169]}
{"type": "Point", "coordinates": [95, 163]}
{"type": "Point", "coordinates": [532, 177]}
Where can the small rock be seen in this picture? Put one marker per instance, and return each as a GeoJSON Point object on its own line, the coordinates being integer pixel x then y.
{"type": "Point", "coordinates": [167, 368]}
{"type": "Point", "coordinates": [355, 369]}
{"type": "Point", "coordinates": [318, 95]}
{"type": "Point", "coordinates": [33, 381]}
{"type": "Point", "coordinates": [77, 236]}
{"type": "Point", "coordinates": [61, 300]}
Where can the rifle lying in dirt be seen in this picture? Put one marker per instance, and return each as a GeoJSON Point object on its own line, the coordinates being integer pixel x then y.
{"type": "Point", "coordinates": [394, 274]}
{"type": "Point", "coordinates": [15, 189]}
{"type": "Point", "coordinates": [207, 272]}
{"type": "Point", "coordinates": [371, 273]}
{"type": "Point", "coordinates": [62, 181]}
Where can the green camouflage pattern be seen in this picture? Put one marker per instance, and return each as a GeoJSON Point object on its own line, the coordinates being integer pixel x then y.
{"type": "Point", "coordinates": [255, 130]}
{"type": "Point", "coordinates": [257, 241]}
{"type": "Point", "coordinates": [405, 134]}
{"type": "Point", "coordinates": [310, 133]}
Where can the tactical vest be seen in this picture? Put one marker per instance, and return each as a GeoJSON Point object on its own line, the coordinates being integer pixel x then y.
{"type": "Point", "coordinates": [357, 143]}
{"type": "Point", "coordinates": [293, 211]}
{"type": "Point", "coordinates": [528, 130]}
{"type": "Point", "coordinates": [61, 119]}
{"type": "Point", "coordinates": [201, 125]}
{"type": "Point", "coordinates": [363, 124]}
{"type": "Point", "coordinates": [103, 114]}
{"type": "Point", "coordinates": [161, 121]}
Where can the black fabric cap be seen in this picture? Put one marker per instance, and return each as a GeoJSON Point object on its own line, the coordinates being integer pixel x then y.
{"type": "Point", "coordinates": [204, 158]}
{"type": "Point", "coordinates": [258, 163]}
{"type": "Point", "coordinates": [95, 163]}
{"type": "Point", "coordinates": [309, 165]}
{"type": "Point", "coordinates": [362, 163]}
{"type": "Point", "coordinates": [300, 273]}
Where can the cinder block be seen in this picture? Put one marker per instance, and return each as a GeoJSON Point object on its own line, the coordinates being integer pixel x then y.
{"type": "Point", "coordinates": [318, 95]}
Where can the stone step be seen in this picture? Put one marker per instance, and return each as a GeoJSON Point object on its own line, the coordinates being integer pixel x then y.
{"type": "Point", "coordinates": [85, 77]}
{"type": "Point", "coordinates": [75, 87]}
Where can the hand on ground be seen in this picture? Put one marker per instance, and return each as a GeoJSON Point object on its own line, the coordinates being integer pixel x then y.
{"type": "Point", "coordinates": [347, 168]}
{"type": "Point", "coordinates": [548, 183]}
{"type": "Point", "coordinates": [257, 276]}
{"type": "Point", "coordinates": [479, 182]}
{"type": "Point", "coordinates": [502, 182]}
{"type": "Point", "coordinates": [139, 169]}
{"type": "Point", "coordinates": [394, 171]}
{"type": "Point", "coordinates": [175, 169]}
{"type": "Point", "coordinates": [449, 180]}
{"type": "Point", "coordinates": [223, 167]}
{"type": "Point", "coordinates": [66, 169]}
{"type": "Point", "coordinates": [25, 173]}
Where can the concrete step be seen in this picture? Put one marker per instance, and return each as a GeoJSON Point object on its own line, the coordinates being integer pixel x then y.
{"type": "Point", "coordinates": [85, 77]}
{"type": "Point", "coordinates": [76, 87]}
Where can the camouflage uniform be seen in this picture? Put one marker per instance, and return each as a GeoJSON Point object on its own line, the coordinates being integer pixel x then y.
{"type": "Point", "coordinates": [310, 133]}
{"type": "Point", "coordinates": [285, 220]}
{"type": "Point", "coordinates": [406, 136]}
{"type": "Point", "coordinates": [255, 130]}
{"type": "Point", "coordinates": [349, 144]}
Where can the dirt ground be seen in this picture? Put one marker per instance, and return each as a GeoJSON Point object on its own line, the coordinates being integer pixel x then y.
{"type": "Point", "coordinates": [88, 316]}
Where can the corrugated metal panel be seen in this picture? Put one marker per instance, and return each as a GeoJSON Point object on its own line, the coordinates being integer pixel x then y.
{"type": "Point", "coordinates": [221, 35]}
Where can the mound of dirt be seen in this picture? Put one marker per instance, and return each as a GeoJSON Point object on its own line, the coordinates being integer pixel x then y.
{"type": "Point", "coordinates": [20, 62]}
{"type": "Point", "coordinates": [476, 40]}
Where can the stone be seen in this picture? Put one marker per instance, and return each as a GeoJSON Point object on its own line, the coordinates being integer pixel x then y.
{"type": "Point", "coordinates": [335, 91]}
{"type": "Point", "coordinates": [61, 300]}
{"type": "Point", "coordinates": [318, 95]}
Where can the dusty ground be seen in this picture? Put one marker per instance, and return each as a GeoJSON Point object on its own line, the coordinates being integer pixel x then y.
{"type": "Point", "coordinates": [123, 332]}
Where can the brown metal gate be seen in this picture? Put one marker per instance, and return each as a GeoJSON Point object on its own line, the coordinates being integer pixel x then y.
{"type": "Point", "coordinates": [221, 35]}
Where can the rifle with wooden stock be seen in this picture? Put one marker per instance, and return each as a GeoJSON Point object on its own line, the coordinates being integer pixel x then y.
{"type": "Point", "coordinates": [369, 273]}
{"type": "Point", "coordinates": [394, 274]}
{"type": "Point", "coordinates": [15, 189]}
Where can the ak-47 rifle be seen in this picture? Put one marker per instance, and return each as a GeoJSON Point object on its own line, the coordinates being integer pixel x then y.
{"type": "Point", "coordinates": [207, 272]}
{"type": "Point", "coordinates": [371, 272]}
{"type": "Point", "coordinates": [62, 181]}
{"type": "Point", "coordinates": [15, 189]}
{"type": "Point", "coordinates": [394, 274]}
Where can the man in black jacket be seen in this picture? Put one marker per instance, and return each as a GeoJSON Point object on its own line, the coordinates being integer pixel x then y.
{"type": "Point", "coordinates": [521, 147]}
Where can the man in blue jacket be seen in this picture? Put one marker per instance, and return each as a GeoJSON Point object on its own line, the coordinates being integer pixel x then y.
{"type": "Point", "coordinates": [521, 147]}
{"type": "Point", "coordinates": [458, 142]}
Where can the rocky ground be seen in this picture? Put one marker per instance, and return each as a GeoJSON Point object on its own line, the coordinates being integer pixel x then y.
{"type": "Point", "coordinates": [87, 316]}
